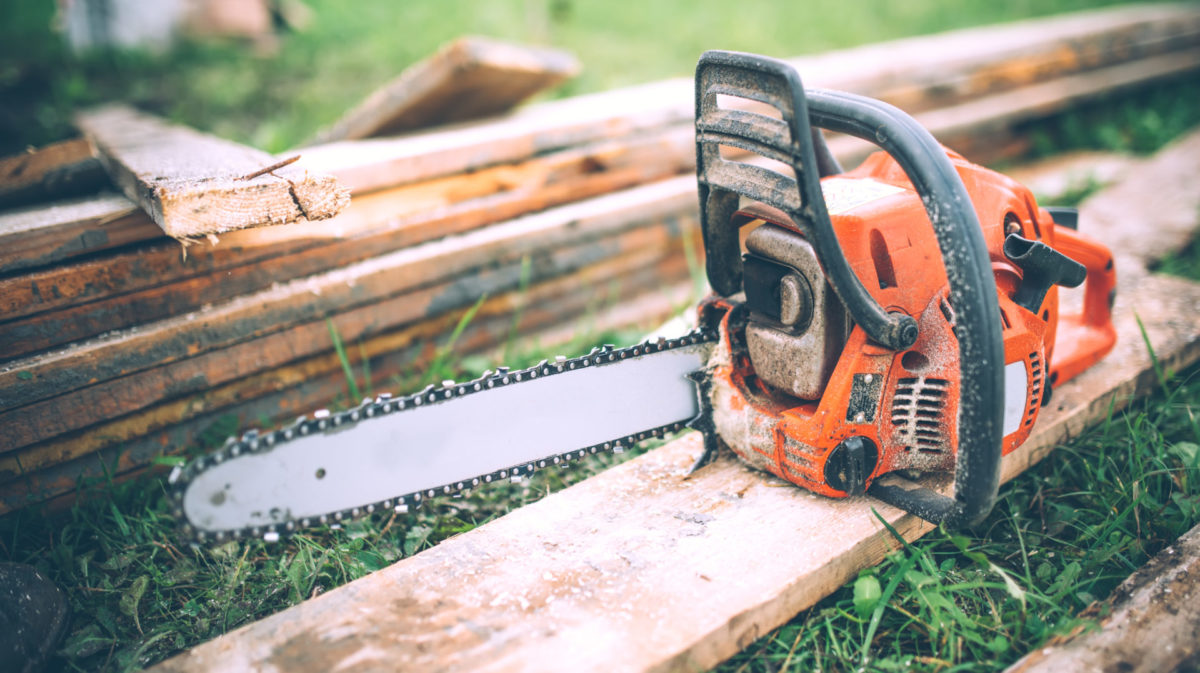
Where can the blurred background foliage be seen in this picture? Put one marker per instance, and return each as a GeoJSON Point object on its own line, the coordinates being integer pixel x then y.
{"type": "Point", "coordinates": [275, 96]}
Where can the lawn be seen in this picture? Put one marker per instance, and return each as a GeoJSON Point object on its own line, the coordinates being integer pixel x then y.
{"type": "Point", "coordinates": [1059, 539]}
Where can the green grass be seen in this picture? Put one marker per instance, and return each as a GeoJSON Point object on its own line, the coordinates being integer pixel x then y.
{"type": "Point", "coordinates": [276, 101]}
{"type": "Point", "coordinates": [1137, 123]}
{"type": "Point", "coordinates": [137, 595]}
{"type": "Point", "coordinates": [1060, 538]}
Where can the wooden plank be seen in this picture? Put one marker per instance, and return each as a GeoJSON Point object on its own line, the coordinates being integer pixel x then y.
{"type": "Point", "coordinates": [917, 73]}
{"type": "Point", "coordinates": [958, 126]}
{"type": "Point", "coordinates": [1152, 626]}
{"type": "Point", "coordinates": [630, 253]}
{"type": "Point", "coordinates": [132, 442]}
{"type": "Point", "coordinates": [39, 236]}
{"type": "Point", "coordinates": [1061, 174]}
{"type": "Point", "coordinates": [985, 60]}
{"type": "Point", "coordinates": [193, 184]}
{"type": "Point", "coordinates": [1164, 185]}
{"type": "Point", "coordinates": [643, 568]}
{"type": "Point", "coordinates": [659, 205]}
{"type": "Point", "coordinates": [469, 78]}
{"type": "Point", "coordinates": [70, 302]}
{"type": "Point", "coordinates": [61, 170]}
{"type": "Point", "coordinates": [927, 72]}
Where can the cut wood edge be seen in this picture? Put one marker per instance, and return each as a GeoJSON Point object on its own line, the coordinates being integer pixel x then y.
{"type": "Point", "coordinates": [193, 184]}
{"type": "Point", "coordinates": [42, 235]}
{"type": "Point", "coordinates": [59, 170]}
{"type": "Point", "coordinates": [643, 568]}
{"type": "Point", "coordinates": [1152, 626]}
{"type": "Point", "coordinates": [469, 78]}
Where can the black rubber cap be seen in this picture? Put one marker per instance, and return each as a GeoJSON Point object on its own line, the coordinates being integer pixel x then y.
{"type": "Point", "coordinates": [33, 618]}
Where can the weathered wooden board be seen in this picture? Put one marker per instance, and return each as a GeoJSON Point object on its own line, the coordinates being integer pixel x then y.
{"type": "Point", "coordinates": [193, 184]}
{"type": "Point", "coordinates": [1164, 188]}
{"type": "Point", "coordinates": [279, 394]}
{"type": "Point", "coordinates": [1154, 625]}
{"type": "Point", "coordinates": [916, 74]}
{"type": "Point", "coordinates": [642, 568]}
{"type": "Point", "coordinates": [967, 126]}
{"type": "Point", "coordinates": [937, 71]}
{"type": "Point", "coordinates": [651, 255]}
{"type": "Point", "coordinates": [971, 127]}
{"type": "Point", "coordinates": [469, 78]}
{"type": "Point", "coordinates": [60, 170]}
{"type": "Point", "coordinates": [664, 204]}
{"type": "Point", "coordinates": [70, 302]}
{"type": "Point", "coordinates": [38, 236]}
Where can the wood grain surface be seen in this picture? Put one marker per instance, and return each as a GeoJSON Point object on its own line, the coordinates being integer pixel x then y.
{"type": "Point", "coordinates": [469, 78]}
{"type": "Point", "coordinates": [643, 568]}
{"type": "Point", "coordinates": [69, 302]}
{"type": "Point", "coordinates": [542, 235]}
{"type": "Point", "coordinates": [1153, 626]}
{"type": "Point", "coordinates": [43, 235]}
{"type": "Point", "coordinates": [193, 184]}
{"type": "Point", "coordinates": [60, 170]}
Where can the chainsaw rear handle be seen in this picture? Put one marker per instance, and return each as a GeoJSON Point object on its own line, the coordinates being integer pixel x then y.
{"type": "Point", "coordinates": [972, 294]}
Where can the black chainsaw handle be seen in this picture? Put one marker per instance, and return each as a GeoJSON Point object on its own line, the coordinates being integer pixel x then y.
{"type": "Point", "coordinates": [788, 141]}
{"type": "Point", "coordinates": [973, 294]}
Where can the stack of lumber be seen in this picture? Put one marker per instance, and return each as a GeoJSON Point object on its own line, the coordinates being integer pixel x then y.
{"type": "Point", "coordinates": [116, 350]}
{"type": "Point", "coordinates": [647, 567]}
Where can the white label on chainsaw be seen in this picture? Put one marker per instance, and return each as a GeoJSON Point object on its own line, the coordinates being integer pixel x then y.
{"type": "Point", "coordinates": [845, 194]}
{"type": "Point", "coordinates": [1016, 392]}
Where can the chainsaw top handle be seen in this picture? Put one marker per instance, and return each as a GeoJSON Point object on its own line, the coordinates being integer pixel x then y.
{"type": "Point", "coordinates": [792, 141]}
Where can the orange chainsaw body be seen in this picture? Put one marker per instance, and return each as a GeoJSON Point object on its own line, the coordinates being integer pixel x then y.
{"type": "Point", "coordinates": [906, 403]}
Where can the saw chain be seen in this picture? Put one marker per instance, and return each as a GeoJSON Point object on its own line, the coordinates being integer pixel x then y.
{"type": "Point", "coordinates": [256, 442]}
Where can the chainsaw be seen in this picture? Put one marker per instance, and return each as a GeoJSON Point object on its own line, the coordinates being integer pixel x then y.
{"type": "Point", "coordinates": [901, 316]}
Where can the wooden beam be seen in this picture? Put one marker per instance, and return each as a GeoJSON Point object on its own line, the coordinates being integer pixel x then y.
{"type": "Point", "coordinates": [918, 73]}
{"type": "Point", "coordinates": [43, 235]}
{"type": "Point", "coordinates": [469, 78]}
{"type": "Point", "coordinates": [1165, 186]}
{"type": "Point", "coordinates": [135, 440]}
{"type": "Point", "coordinates": [959, 124]}
{"type": "Point", "coordinates": [1152, 625]}
{"type": "Point", "coordinates": [643, 568]}
{"type": "Point", "coordinates": [193, 184]}
{"type": "Point", "coordinates": [686, 570]}
{"type": "Point", "coordinates": [69, 302]}
{"type": "Point", "coordinates": [651, 255]}
{"type": "Point", "coordinates": [596, 221]}
{"type": "Point", "coordinates": [60, 170]}
{"type": "Point", "coordinates": [932, 71]}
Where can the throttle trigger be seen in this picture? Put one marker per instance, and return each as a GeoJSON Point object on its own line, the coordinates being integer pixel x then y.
{"type": "Point", "coordinates": [1043, 266]}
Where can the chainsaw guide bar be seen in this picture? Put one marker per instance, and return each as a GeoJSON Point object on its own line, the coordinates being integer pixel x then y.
{"type": "Point", "coordinates": [252, 488]}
